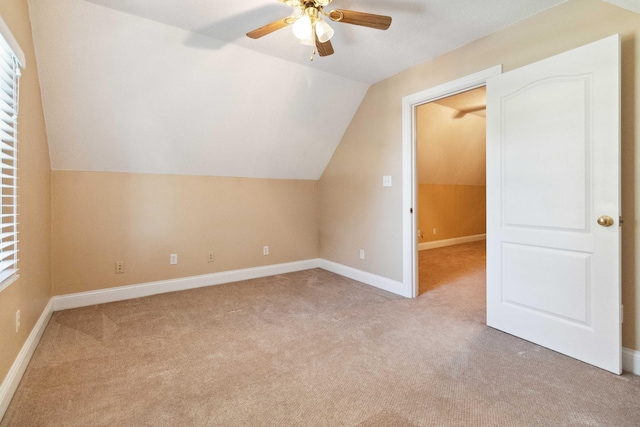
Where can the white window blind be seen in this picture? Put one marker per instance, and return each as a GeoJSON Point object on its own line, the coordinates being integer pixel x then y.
{"type": "Point", "coordinates": [9, 95]}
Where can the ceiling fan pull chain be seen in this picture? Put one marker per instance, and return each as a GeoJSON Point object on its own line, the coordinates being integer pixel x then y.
{"type": "Point", "coordinates": [312, 55]}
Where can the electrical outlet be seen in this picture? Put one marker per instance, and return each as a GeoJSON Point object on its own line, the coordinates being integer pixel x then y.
{"type": "Point", "coordinates": [17, 321]}
{"type": "Point", "coordinates": [434, 231]}
{"type": "Point", "coordinates": [361, 253]}
{"type": "Point", "coordinates": [119, 267]}
{"type": "Point", "coordinates": [265, 250]}
{"type": "Point", "coordinates": [210, 258]}
{"type": "Point", "coordinates": [173, 259]}
{"type": "Point", "coordinates": [386, 181]}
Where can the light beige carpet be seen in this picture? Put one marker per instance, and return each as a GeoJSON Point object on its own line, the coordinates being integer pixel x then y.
{"type": "Point", "coordinates": [311, 349]}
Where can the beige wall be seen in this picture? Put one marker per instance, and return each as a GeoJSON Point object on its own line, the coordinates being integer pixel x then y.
{"type": "Point", "coordinates": [453, 210]}
{"type": "Point", "coordinates": [450, 149]}
{"type": "Point", "coordinates": [31, 292]}
{"type": "Point", "coordinates": [102, 218]}
{"type": "Point", "coordinates": [356, 211]}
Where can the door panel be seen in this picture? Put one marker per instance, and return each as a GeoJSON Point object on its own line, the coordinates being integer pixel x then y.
{"type": "Point", "coordinates": [554, 137]}
{"type": "Point", "coordinates": [533, 273]}
{"type": "Point", "coordinates": [553, 168]}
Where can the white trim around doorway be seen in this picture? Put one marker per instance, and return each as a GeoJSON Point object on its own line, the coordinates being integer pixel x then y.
{"type": "Point", "coordinates": [409, 220]}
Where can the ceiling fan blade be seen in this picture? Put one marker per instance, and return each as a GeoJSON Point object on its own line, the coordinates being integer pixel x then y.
{"type": "Point", "coordinates": [379, 22]}
{"type": "Point", "coordinates": [324, 49]}
{"type": "Point", "coordinates": [268, 29]}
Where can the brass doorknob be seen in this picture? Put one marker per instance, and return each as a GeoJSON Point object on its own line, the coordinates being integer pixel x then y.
{"type": "Point", "coordinates": [605, 221]}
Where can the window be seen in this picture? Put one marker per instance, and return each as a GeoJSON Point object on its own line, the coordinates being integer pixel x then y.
{"type": "Point", "coordinates": [9, 95]}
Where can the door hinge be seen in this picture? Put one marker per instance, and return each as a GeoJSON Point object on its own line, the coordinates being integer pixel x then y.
{"type": "Point", "coordinates": [621, 313]}
{"type": "Point", "coordinates": [620, 221]}
{"type": "Point", "coordinates": [410, 210]}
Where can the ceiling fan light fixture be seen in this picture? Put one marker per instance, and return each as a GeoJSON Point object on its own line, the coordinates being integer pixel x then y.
{"type": "Point", "coordinates": [310, 41]}
{"type": "Point", "coordinates": [303, 28]}
{"type": "Point", "coordinates": [324, 31]}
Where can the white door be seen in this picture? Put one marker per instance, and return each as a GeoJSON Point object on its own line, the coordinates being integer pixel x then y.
{"type": "Point", "coordinates": [553, 172]}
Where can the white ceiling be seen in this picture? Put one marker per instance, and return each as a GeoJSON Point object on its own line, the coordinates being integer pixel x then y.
{"type": "Point", "coordinates": [175, 86]}
{"type": "Point", "coordinates": [421, 29]}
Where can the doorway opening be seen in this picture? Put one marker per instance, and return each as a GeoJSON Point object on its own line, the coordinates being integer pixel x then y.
{"type": "Point", "coordinates": [410, 105]}
{"type": "Point", "coordinates": [451, 193]}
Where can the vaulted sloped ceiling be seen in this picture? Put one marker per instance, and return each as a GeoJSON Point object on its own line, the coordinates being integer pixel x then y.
{"type": "Point", "coordinates": [174, 86]}
{"type": "Point", "coordinates": [126, 94]}
{"type": "Point", "coordinates": [451, 140]}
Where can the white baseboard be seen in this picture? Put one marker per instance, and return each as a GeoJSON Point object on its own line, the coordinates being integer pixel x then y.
{"type": "Point", "coordinates": [631, 361]}
{"type": "Point", "coordinates": [11, 381]}
{"type": "Point", "coordinates": [101, 296]}
{"type": "Point", "coordinates": [450, 242]}
{"type": "Point", "coordinates": [363, 276]}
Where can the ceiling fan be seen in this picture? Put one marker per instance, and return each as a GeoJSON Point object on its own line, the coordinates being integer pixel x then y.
{"type": "Point", "coordinates": [309, 27]}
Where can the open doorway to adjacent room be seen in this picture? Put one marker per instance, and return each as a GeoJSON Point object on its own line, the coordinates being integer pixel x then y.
{"type": "Point", "coordinates": [451, 195]}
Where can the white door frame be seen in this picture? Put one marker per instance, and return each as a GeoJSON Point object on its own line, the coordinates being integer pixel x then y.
{"type": "Point", "coordinates": [409, 174]}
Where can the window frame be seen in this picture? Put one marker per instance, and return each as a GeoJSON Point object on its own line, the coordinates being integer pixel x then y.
{"type": "Point", "coordinates": [11, 62]}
